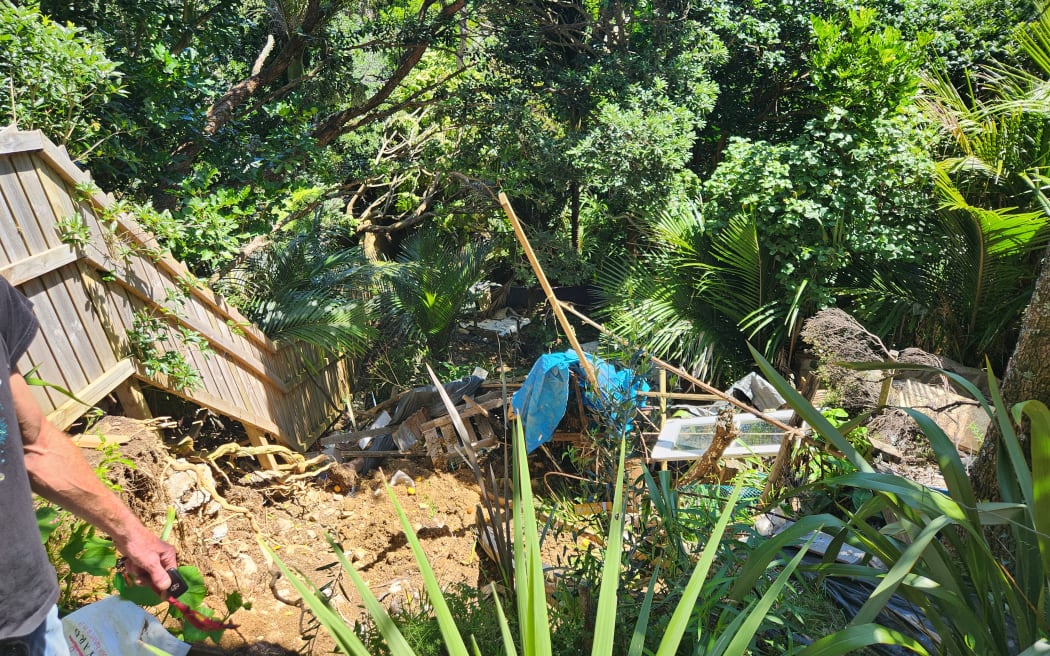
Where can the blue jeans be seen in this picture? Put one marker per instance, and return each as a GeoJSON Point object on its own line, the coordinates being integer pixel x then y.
{"type": "Point", "coordinates": [47, 640]}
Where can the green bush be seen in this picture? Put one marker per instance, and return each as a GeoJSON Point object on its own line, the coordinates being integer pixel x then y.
{"type": "Point", "coordinates": [55, 78]}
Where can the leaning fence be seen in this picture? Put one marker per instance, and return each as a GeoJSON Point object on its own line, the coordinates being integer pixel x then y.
{"type": "Point", "coordinates": [115, 310]}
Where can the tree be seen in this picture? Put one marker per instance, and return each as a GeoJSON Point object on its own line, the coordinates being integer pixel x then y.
{"type": "Point", "coordinates": [253, 101]}
{"type": "Point", "coordinates": [799, 223]}
{"type": "Point", "coordinates": [1026, 378]}
{"type": "Point", "coordinates": [766, 86]}
{"type": "Point", "coordinates": [586, 114]}
{"type": "Point", "coordinates": [57, 77]}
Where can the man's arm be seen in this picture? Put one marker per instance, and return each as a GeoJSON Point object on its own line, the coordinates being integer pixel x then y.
{"type": "Point", "coordinates": [59, 473]}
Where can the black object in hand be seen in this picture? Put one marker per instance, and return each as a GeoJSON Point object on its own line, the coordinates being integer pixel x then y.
{"type": "Point", "coordinates": [178, 584]}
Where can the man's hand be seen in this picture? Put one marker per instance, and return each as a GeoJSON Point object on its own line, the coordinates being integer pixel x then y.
{"type": "Point", "coordinates": [148, 559]}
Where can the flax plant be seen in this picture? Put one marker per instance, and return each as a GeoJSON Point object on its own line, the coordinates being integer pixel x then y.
{"type": "Point", "coordinates": [937, 552]}
{"type": "Point", "coordinates": [533, 629]}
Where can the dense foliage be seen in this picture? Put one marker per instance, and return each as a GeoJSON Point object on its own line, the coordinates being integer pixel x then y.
{"type": "Point", "coordinates": [722, 170]}
{"type": "Point", "coordinates": [726, 168]}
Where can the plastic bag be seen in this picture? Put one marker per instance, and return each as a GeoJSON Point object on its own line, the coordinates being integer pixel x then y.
{"type": "Point", "coordinates": [116, 627]}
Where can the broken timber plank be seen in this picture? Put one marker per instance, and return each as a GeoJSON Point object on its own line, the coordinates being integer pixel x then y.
{"type": "Point", "coordinates": [347, 436]}
{"type": "Point", "coordinates": [480, 407]}
{"type": "Point", "coordinates": [256, 437]}
{"type": "Point", "coordinates": [474, 406]}
{"type": "Point", "coordinates": [359, 453]}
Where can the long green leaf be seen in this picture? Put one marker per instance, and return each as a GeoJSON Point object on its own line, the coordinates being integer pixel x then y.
{"type": "Point", "coordinates": [956, 379]}
{"type": "Point", "coordinates": [393, 637]}
{"type": "Point", "coordinates": [1039, 416]}
{"type": "Point", "coordinates": [857, 637]}
{"type": "Point", "coordinates": [912, 555]}
{"type": "Point", "coordinates": [329, 619]}
{"type": "Point", "coordinates": [809, 414]}
{"type": "Point", "coordinates": [446, 623]}
{"type": "Point", "coordinates": [680, 618]}
{"type": "Point", "coordinates": [638, 637]}
{"type": "Point", "coordinates": [528, 564]}
{"type": "Point", "coordinates": [758, 561]}
{"type": "Point", "coordinates": [952, 469]}
{"type": "Point", "coordinates": [1009, 442]}
{"type": "Point", "coordinates": [605, 622]}
{"type": "Point", "coordinates": [504, 628]}
{"type": "Point", "coordinates": [739, 635]}
{"type": "Point", "coordinates": [931, 502]}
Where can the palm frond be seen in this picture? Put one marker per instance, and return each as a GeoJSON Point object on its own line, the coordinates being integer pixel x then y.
{"type": "Point", "coordinates": [696, 297]}
{"type": "Point", "coordinates": [425, 289]}
{"type": "Point", "coordinates": [300, 290]}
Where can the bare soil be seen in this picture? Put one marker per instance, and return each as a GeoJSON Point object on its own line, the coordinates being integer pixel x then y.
{"type": "Point", "coordinates": [221, 537]}
{"type": "Point", "coordinates": [296, 521]}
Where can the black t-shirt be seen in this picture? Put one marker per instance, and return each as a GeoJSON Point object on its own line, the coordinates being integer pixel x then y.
{"type": "Point", "coordinates": [28, 587]}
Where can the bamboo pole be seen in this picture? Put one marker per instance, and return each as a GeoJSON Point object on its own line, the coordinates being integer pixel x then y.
{"type": "Point", "coordinates": [549, 291]}
{"type": "Point", "coordinates": [663, 407]}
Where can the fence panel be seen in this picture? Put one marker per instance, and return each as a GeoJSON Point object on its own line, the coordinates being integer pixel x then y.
{"type": "Point", "coordinates": [96, 279]}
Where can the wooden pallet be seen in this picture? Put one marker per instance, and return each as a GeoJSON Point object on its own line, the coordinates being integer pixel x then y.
{"type": "Point", "coordinates": [440, 436]}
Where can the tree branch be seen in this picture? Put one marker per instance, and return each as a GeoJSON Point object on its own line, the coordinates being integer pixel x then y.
{"type": "Point", "coordinates": [334, 125]}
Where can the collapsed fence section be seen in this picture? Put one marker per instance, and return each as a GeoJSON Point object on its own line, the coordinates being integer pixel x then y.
{"type": "Point", "coordinates": [114, 309]}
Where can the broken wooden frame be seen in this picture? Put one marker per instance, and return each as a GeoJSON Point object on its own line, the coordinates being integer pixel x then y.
{"type": "Point", "coordinates": [438, 434]}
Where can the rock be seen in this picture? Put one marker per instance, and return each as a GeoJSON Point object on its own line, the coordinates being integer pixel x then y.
{"type": "Point", "coordinates": [246, 565]}
{"type": "Point", "coordinates": [183, 489]}
{"type": "Point", "coordinates": [961, 418]}
{"type": "Point", "coordinates": [284, 524]}
{"type": "Point", "coordinates": [342, 478]}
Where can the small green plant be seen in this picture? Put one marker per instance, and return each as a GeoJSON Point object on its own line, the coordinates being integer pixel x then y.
{"type": "Point", "coordinates": [73, 545]}
{"type": "Point", "coordinates": [73, 231]}
{"type": "Point", "coordinates": [193, 621]}
{"type": "Point", "coordinates": [857, 435]}
{"type": "Point", "coordinates": [474, 615]}
{"type": "Point", "coordinates": [150, 339]}
{"type": "Point", "coordinates": [197, 622]}
{"type": "Point", "coordinates": [74, 549]}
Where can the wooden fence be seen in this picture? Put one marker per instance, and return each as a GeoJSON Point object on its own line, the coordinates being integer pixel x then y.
{"type": "Point", "coordinates": [90, 272]}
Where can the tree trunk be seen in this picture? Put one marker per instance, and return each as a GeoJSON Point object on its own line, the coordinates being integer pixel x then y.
{"type": "Point", "coordinates": [1027, 377]}
{"type": "Point", "coordinates": [574, 218]}
{"type": "Point", "coordinates": [222, 110]}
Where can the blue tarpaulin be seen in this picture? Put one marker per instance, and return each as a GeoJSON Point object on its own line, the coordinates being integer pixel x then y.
{"type": "Point", "coordinates": [543, 396]}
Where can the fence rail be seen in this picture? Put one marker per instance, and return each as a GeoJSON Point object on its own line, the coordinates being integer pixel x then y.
{"type": "Point", "coordinates": [87, 294]}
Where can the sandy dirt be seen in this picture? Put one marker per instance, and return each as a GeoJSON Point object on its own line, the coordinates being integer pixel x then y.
{"type": "Point", "coordinates": [440, 506]}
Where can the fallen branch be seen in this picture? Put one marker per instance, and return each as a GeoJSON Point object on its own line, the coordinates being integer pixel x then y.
{"type": "Point", "coordinates": [725, 433]}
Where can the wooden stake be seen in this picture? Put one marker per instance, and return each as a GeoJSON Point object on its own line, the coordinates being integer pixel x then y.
{"type": "Point", "coordinates": [549, 291]}
{"type": "Point", "coordinates": [663, 407]}
{"type": "Point", "coordinates": [131, 399]}
{"type": "Point", "coordinates": [257, 438]}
